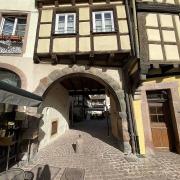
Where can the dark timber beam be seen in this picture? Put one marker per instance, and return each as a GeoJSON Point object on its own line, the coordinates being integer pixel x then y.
{"type": "Point", "coordinates": [56, 3]}
{"type": "Point", "coordinates": [157, 7]}
{"type": "Point", "coordinates": [91, 58]}
{"type": "Point", "coordinates": [73, 58]}
{"type": "Point", "coordinates": [110, 58]}
{"type": "Point", "coordinates": [72, 85]}
{"type": "Point", "coordinates": [166, 68]}
{"type": "Point", "coordinates": [54, 59]}
{"type": "Point", "coordinates": [85, 93]}
{"type": "Point", "coordinates": [36, 59]}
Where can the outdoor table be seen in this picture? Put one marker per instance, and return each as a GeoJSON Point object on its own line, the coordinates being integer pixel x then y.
{"type": "Point", "coordinates": [12, 174]}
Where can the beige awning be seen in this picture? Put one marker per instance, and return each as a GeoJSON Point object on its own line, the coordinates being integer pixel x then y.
{"type": "Point", "coordinates": [16, 96]}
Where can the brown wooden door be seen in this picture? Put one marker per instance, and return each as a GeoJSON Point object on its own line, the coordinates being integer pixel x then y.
{"type": "Point", "coordinates": [161, 126]}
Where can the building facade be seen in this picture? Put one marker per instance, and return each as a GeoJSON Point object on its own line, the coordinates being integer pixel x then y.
{"type": "Point", "coordinates": [18, 22]}
{"type": "Point", "coordinates": [60, 49]}
{"type": "Point", "coordinates": [157, 99]}
{"type": "Point", "coordinates": [90, 40]}
{"type": "Point", "coordinates": [126, 50]}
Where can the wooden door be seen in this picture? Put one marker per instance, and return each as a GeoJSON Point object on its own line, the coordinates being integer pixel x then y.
{"type": "Point", "coordinates": [161, 125]}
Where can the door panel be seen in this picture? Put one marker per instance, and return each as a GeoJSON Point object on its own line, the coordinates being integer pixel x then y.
{"type": "Point", "coordinates": [161, 125]}
{"type": "Point", "coordinates": [164, 138]}
{"type": "Point", "coordinates": [156, 136]}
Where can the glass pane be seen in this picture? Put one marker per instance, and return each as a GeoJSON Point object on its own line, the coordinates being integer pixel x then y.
{"type": "Point", "coordinates": [108, 22]}
{"type": "Point", "coordinates": [98, 17]}
{"type": "Point", "coordinates": [108, 29]}
{"type": "Point", "coordinates": [70, 24]}
{"type": "Point", "coordinates": [154, 118]}
{"type": "Point", "coordinates": [98, 23]}
{"type": "Point", "coordinates": [108, 25]}
{"type": "Point", "coordinates": [107, 15]}
{"type": "Point", "coordinates": [61, 18]}
{"type": "Point", "coordinates": [10, 78]}
{"type": "Point", "coordinates": [70, 18]}
{"type": "Point", "coordinates": [21, 26]}
{"type": "Point", "coordinates": [160, 110]}
{"type": "Point", "coordinates": [152, 110]}
{"type": "Point", "coordinates": [61, 24]}
{"type": "Point", "coordinates": [70, 30]}
{"type": "Point", "coordinates": [8, 26]}
{"type": "Point", "coordinates": [161, 118]}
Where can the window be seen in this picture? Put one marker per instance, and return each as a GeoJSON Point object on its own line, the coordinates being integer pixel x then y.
{"type": "Point", "coordinates": [54, 127]}
{"type": "Point", "coordinates": [157, 101]}
{"type": "Point", "coordinates": [65, 23]}
{"type": "Point", "coordinates": [12, 25]}
{"type": "Point", "coordinates": [103, 21]}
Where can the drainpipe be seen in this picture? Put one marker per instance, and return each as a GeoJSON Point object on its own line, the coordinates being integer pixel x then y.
{"type": "Point", "coordinates": [135, 28]}
{"type": "Point", "coordinates": [129, 114]}
{"type": "Point", "coordinates": [130, 27]}
{"type": "Point", "coordinates": [131, 128]}
{"type": "Point", "coordinates": [135, 49]}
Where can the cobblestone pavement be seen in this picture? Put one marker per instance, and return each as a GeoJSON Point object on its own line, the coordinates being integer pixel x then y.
{"type": "Point", "coordinates": [102, 160]}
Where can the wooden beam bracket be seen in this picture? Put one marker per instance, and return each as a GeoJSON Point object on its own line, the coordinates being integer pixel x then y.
{"type": "Point", "coordinates": [54, 59]}
{"type": "Point", "coordinates": [36, 59]}
{"type": "Point", "coordinates": [73, 58]}
{"type": "Point", "coordinates": [110, 58]}
{"type": "Point", "coordinates": [91, 58]}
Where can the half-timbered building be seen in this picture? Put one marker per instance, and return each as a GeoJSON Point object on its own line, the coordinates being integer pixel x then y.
{"type": "Point", "coordinates": [85, 48]}
{"type": "Point", "coordinates": [128, 51]}
{"type": "Point", "coordinates": [157, 100]}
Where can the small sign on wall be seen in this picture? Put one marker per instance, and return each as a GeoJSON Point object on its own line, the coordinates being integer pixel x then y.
{"type": "Point", "coordinates": [54, 126]}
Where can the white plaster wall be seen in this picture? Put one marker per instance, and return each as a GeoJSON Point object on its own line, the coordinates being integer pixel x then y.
{"type": "Point", "coordinates": [31, 36]}
{"type": "Point", "coordinates": [55, 107]}
{"type": "Point", "coordinates": [27, 5]}
{"type": "Point", "coordinates": [23, 62]}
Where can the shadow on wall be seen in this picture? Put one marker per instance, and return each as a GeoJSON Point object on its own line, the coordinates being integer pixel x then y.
{"type": "Point", "coordinates": [54, 108]}
{"type": "Point", "coordinates": [40, 172]}
{"type": "Point", "coordinates": [44, 174]}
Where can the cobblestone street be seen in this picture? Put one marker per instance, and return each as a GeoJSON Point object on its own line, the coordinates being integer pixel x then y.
{"type": "Point", "coordinates": [100, 158]}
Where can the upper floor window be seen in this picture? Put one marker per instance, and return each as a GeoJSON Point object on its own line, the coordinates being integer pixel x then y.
{"type": "Point", "coordinates": [103, 21]}
{"type": "Point", "coordinates": [12, 32]}
{"type": "Point", "coordinates": [13, 26]}
{"type": "Point", "coordinates": [65, 23]}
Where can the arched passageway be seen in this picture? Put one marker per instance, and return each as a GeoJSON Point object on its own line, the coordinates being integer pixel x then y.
{"type": "Point", "coordinates": [59, 85]}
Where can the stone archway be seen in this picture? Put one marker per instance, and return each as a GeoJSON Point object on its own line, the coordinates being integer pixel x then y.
{"type": "Point", "coordinates": [112, 85]}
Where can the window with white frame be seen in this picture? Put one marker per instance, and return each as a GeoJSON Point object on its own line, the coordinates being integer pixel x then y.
{"type": "Point", "coordinates": [103, 21]}
{"type": "Point", "coordinates": [65, 23]}
{"type": "Point", "coordinates": [13, 26]}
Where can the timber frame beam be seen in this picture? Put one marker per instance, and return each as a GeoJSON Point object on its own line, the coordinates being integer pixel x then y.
{"type": "Point", "coordinates": [157, 7]}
